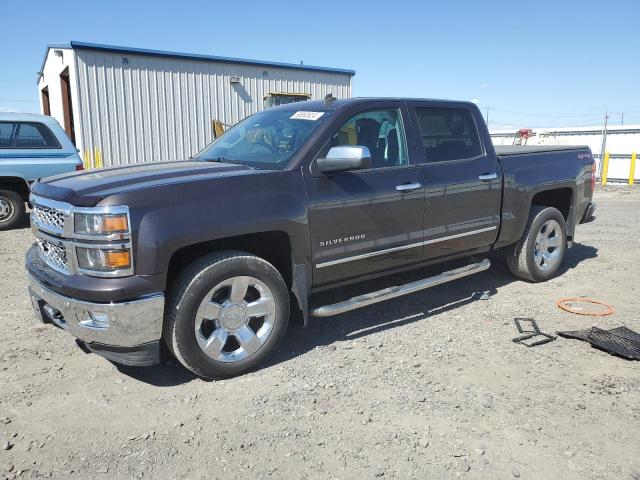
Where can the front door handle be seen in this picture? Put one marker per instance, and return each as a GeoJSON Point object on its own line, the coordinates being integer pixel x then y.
{"type": "Point", "coordinates": [407, 187]}
{"type": "Point", "coordinates": [488, 176]}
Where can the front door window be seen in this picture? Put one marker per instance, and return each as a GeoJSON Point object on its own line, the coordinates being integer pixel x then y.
{"type": "Point", "coordinates": [381, 131]}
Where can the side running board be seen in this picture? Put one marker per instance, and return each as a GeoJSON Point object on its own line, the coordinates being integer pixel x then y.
{"type": "Point", "coordinates": [400, 290]}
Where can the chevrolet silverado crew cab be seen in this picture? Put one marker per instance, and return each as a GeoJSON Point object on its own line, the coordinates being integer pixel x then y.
{"type": "Point", "coordinates": [209, 258]}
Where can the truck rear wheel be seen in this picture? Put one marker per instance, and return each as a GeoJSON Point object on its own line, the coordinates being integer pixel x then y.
{"type": "Point", "coordinates": [227, 312]}
{"type": "Point", "coordinates": [539, 253]}
{"type": "Point", "coordinates": [11, 209]}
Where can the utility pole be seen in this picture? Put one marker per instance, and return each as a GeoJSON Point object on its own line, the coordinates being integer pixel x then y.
{"type": "Point", "coordinates": [487, 117]}
{"type": "Point", "coordinates": [604, 140]}
{"type": "Point", "coordinates": [622, 118]}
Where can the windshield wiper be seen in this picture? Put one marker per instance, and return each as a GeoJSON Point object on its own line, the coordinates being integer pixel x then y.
{"type": "Point", "coordinates": [230, 160]}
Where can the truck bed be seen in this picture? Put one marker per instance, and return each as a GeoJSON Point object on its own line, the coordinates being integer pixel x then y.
{"type": "Point", "coordinates": [505, 150]}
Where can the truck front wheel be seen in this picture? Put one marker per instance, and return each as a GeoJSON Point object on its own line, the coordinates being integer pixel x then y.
{"type": "Point", "coordinates": [11, 209]}
{"type": "Point", "coordinates": [226, 313]}
{"type": "Point", "coordinates": [539, 253]}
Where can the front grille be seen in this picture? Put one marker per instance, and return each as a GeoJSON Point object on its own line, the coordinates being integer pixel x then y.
{"type": "Point", "coordinates": [54, 255]}
{"type": "Point", "coordinates": [48, 218]}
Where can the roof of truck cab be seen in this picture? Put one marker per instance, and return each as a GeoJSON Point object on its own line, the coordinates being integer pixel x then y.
{"type": "Point", "coordinates": [26, 117]}
{"type": "Point", "coordinates": [340, 102]}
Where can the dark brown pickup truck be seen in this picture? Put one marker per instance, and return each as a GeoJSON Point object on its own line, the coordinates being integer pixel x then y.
{"type": "Point", "coordinates": [208, 258]}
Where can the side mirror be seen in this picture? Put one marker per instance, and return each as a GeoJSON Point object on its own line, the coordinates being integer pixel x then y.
{"type": "Point", "coordinates": [345, 158]}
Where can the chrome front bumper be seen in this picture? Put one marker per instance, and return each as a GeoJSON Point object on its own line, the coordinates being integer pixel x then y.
{"type": "Point", "coordinates": [123, 324]}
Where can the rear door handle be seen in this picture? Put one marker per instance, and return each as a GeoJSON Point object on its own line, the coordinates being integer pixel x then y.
{"type": "Point", "coordinates": [488, 176]}
{"type": "Point", "coordinates": [407, 187]}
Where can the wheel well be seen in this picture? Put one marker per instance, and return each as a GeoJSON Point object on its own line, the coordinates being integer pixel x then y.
{"type": "Point", "coordinates": [274, 247]}
{"type": "Point", "coordinates": [15, 184]}
{"type": "Point", "coordinates": [559, 198]}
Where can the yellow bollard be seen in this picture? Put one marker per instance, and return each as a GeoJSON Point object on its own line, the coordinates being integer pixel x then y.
{"type": "Point", "coordinates": [605, 168]}
{"type": "Point", "coordinates": [632, 169]}
{"type": "Point", "coordinates": [97, 158]}
{"type": "Point", "coordinates": [85, 159]}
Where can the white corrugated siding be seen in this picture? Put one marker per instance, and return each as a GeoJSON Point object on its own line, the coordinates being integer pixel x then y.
{"type": "Point", "coordinates": [622, 141]}
{"type": "Point", "coordinates": [158, 108]}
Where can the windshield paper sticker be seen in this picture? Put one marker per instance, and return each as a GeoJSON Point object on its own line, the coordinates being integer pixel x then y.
{"type": "Point", "coordinates": [313, 116]}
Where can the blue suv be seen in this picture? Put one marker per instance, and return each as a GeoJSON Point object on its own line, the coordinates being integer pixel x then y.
{"type": "Point", "coordinates": [31, 147]}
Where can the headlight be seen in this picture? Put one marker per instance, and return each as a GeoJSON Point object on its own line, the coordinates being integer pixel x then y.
{"type": "Point", "coordinates": [100, 223]}
{"type": "Point", "coordinates": [107, 249]}
{"type": "Point", "coordinates": [103, 259]}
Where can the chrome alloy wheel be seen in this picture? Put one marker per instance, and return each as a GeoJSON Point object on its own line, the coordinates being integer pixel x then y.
{"type": "Point", "coordinates": [6, 209]}
{"type": "Point", "coordinates": [235, 319]}
{"type": "Point", "coordinates": [548, 245]}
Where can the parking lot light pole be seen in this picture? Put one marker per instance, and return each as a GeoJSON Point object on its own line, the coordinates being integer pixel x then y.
{"type": "Point", "coordinates": [604, 142]}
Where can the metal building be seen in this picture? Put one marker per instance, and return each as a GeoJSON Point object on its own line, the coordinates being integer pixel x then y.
{"type": "Point", "coordinates": [127, 105]}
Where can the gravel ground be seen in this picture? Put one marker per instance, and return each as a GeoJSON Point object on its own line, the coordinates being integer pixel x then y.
{"type": "Point", "coordinates": [427, 386]}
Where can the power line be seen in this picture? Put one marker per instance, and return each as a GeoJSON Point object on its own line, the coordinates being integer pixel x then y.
{"type": "Point", "coordinates": [550, 115]}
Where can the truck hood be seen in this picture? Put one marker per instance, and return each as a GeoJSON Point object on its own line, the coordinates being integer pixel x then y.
{"type": "Point", "coordinates": [87, 188]}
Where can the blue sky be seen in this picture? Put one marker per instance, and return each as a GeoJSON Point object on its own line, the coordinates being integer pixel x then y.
{"type": "Point", "coordinates": [547, 63]}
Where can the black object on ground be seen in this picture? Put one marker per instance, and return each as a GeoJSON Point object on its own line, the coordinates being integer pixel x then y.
{"type": "Point", "coordinates": [529, 334]}
{"type": "Point", "coordinates": [485, 295]}
{"type": "Point", "coordinates": [576, 334]}
{"type": "Point", "coordinates": [621, 341]}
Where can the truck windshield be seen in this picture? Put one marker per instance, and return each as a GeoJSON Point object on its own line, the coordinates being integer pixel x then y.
{"type": "Point", "coordinates": [266, 140]}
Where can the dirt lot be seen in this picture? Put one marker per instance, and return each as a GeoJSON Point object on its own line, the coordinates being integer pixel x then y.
{"type": "Point", "coordinates": [429, 386]}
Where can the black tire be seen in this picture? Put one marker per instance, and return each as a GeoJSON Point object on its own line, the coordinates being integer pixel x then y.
{"type": "Point", "coordinates": [190, 289]}
{"type": "Point", "coordinates": [521, 256]}
{"type": "Point", "coordinates": [13, 212]}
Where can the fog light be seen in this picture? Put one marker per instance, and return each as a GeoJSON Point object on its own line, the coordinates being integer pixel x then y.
{"type": "Point", "coordinates": [97, 320]}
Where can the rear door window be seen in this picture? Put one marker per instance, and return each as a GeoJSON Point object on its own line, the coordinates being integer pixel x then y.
{"type": "Point", "coordinates": [26, 135]}
{"type": "Point", "coordinates": [448, 134]}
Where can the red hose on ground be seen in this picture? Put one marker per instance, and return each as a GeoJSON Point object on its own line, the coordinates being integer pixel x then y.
{"type": "Point", "coordinates": [566, 305]}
